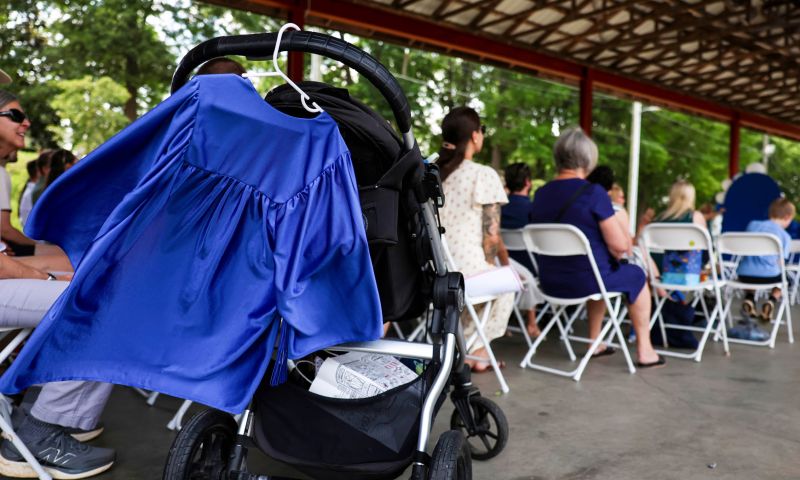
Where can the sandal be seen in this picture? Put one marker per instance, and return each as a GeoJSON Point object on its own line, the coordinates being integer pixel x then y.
{"type": "Point", "coordinates": [608, 351]}
{"type": "Point", "coordinates": [657, 364]}
{"type": "Point", "coordinates": [749, 308]}
{"type": "Point", "coordinates": [767, 310]}
{"type": "Point", "coordinates": [486, 366]}
{"type": "Point", "coordinates": [533, 330]}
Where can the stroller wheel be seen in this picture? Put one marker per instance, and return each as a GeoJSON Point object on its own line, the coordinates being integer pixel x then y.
{"type": "Point", "coordinates": [202, 448]}
{"type": "Point", "coordinates": [491, 428]}
{"type": "Point", "coordinates": [451, 459]}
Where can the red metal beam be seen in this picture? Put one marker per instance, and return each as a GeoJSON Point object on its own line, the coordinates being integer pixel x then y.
{"type": "Point", "coordinates": [417, 29]}
{"type": "Point", "coordinates": [733, 148]}
{"type": "Point", "coordinates": [297, 15]}
{"type": "Point", "coordinates": [585, 113]}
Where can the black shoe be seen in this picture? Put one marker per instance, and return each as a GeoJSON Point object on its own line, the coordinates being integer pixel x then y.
{"type": "Point", "coordinates": [18, 416]}
{"type": "Point", "coordinates": [60, 455]}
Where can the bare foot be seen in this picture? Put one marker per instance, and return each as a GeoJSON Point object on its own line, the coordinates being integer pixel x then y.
{"type": "Point", "coordinates": [533, 329]}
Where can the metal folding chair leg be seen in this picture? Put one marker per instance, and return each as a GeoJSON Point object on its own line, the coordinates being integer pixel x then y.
{"type": "Point", "coordinates": [715, 321]}
{"type": "Point", "coordinates": [177, 421]}
{"type": "Point", "coordinates": [479, 333]}
{"type": "Point", "coordinates": [783, 315]}
{"type": "Point", "coordinates": [610, 329]}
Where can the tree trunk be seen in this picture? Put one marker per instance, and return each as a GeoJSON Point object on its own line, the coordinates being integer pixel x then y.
{"type": "Point", "coordinates": [130, 105]}
{"type": "Point", "coordinates": [496, 157]}
{"type": "Point", "coordinates": [406, 60]}
{"type": "Point", "coordinates": [131, 72]}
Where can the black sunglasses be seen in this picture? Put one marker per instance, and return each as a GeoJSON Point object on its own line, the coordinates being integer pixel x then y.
{"type": "Point", "coordinates": [483, 129]}
{"type": "Point", "coordinates": [16, 116]}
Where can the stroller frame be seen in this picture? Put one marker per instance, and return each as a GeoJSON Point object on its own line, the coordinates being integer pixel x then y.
{"type": "Point", "coordinates": [447, 352]}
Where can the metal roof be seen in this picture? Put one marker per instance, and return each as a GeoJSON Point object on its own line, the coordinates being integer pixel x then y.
{"type": "Point", "coordinates": [745, 54]}
{"type": "Point", "coordinates": [734, 60]}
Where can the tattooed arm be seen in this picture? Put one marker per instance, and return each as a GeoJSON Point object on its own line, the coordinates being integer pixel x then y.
{"type": "Point", "coordinates": [492, 242]}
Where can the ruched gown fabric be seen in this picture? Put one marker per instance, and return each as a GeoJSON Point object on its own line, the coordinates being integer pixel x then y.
{"type": "Point", "coordinates": [195, 231]}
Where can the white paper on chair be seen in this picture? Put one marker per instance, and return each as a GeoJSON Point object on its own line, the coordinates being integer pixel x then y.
{"type": "Point", "coordinates": [360, 375]}
{"type": "Point", "coordinates": [495, 281]}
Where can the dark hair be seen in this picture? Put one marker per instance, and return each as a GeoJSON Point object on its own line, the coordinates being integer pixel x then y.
{"type": "Point", "coordinates": [516, 174]}
{"type": "Point", "coordinates": [44, 159]}
{"type": "Point", "coordinates": [32, 172]}
{"type": "Point", "coordinates": [602, 175]}
{"type": "Point", "coordinates": [221, 65]}
{"type": "Point", "coordinates": [457, 129]}
{"type": "Point", "coordinates": [58, 159]}
{"type": "Point", "coordinates": [31, 167]}
{"type": "Point", "coordinates": [6, 97]}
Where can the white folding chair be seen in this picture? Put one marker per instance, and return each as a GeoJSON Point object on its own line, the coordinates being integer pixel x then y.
{"type": "Point", "coordinates": [5, 406]}
{"type": "Point", "coordinates": [757, 244]}
{"type": "Point", "coordinates": [560, 240]}
{"type": "Point", "coordinates": [676, 236]}
{"type": "Point", "coordinates": [471, 302]}
{"type": "Point", "coordinates": [514, 240]}
{"type": "Point", "coordinates": [793, 271]}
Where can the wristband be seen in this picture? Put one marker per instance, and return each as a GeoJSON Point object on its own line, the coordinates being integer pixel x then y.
{"type": "Point", "coordinates": [50, 276]}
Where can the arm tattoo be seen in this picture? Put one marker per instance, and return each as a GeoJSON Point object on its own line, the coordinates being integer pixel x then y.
{"type": "Point", "coordinates": [491, 230]}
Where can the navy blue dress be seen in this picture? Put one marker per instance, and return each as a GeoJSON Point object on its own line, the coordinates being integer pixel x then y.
{"type": "Point", "coordinates": [514, 215]}
{"type": "Point", "coordinates": [572, 277]}
{"type": "Point", "coordinates": [199, 233]}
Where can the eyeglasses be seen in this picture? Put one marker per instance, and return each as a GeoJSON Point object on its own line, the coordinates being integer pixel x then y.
{"type": "Point", "coordinates": [16, 116]}
{"type": "Point", "coordinates": [483, 129]}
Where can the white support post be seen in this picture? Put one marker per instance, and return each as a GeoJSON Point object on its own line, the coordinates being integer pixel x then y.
{"type": "Point", "coordinates": [633, 165]}
{"type": "Point", "coordinates": [316, 68]}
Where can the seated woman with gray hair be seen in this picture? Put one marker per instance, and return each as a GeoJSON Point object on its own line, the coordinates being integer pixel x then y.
{"type": "Point", "coordinates": [571, 199]}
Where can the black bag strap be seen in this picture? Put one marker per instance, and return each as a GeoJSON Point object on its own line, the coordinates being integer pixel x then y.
{"type": "Point", "coordinates": [571, 200]}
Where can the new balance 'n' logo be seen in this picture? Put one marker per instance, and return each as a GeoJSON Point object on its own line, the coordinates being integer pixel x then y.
{"type": "Point", "coordinates": [53, 455]}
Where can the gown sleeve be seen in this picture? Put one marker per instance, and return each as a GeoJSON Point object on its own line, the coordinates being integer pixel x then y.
{"type": "Point", "coordinates": [73, 210]}
{"type": "Point", "coordinates": [325, 285]}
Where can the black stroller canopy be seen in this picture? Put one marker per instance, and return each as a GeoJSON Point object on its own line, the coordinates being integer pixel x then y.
{"type": "Point", "coordinates": [386, 177]}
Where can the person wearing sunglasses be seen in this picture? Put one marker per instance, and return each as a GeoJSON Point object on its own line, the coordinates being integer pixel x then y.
{"type": "Point", "coordinates": [14, 124]}
{"type": "Point", "coordinates": [64, 413]}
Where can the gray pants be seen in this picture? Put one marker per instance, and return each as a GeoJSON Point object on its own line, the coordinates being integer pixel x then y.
{"type": "Point", "coordinates": [23, 303]}
{"type": "Point", "coordinates": [72, 404]}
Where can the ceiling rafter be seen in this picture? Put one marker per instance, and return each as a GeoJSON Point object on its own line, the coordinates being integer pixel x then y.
{"type": "Point", "coordinates": [485, 10]}
{"type": "Point", "coordinates": [549, 29]}
{"type": "Point", "coordinates": [680, 24]}
{"type": "Point", "coordinates": [600, 18]}
{"type": "Point", "coordinates": [709, 33]}
{"type": "Point", "coordinates": [567, 19]}
{"type": "Point", "coordinates": [439, 14]}
{"type": "Point", "coordinates": [727, 51]}
{"type": "Point", "coordinates": [524, 14]}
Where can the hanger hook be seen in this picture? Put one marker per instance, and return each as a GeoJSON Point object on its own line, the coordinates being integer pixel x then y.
{"type": "Point", "coordinates": [303, 95]}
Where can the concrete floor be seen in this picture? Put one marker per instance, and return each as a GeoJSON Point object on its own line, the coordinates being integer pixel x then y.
{"type": "Point", "coordinates": [725, 418]}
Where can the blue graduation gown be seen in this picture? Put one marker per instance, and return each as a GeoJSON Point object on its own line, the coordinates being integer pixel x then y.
{"type": "Point", "coordinates": [194, 231]}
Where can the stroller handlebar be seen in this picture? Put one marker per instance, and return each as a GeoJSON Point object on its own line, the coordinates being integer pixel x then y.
{"type": "Point", "coordinates": [261, 45]}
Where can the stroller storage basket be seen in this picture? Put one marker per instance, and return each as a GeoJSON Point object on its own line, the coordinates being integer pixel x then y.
{"type": "Point", "coordinates": [332, 439]}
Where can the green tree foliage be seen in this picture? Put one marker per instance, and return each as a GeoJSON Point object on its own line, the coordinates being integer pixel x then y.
{"type": "Point", "coordinates": [92, 111]}
{"type": "Point", "coordinates": [116, 39]}
{"type": "Point", "coordinates": [22, 43]}
{"type": "Point", "coordinates": [137, 44]}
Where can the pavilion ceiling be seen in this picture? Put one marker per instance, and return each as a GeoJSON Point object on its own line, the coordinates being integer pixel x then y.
{"type": "Point", "coordinates": [745, 54]}
{"type": "Point", "coordinates": [733, 60]}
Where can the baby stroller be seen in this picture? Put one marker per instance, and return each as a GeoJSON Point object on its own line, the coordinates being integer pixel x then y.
{"type": "Point", "coordinates": [376, 437]}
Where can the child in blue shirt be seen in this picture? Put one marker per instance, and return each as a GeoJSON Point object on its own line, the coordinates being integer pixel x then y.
{"type": "Point", "coordinates": [766, 269]}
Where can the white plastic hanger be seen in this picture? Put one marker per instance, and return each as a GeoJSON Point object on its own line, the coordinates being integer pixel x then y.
{"type": "Point", "coordinates": [277, 72]}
